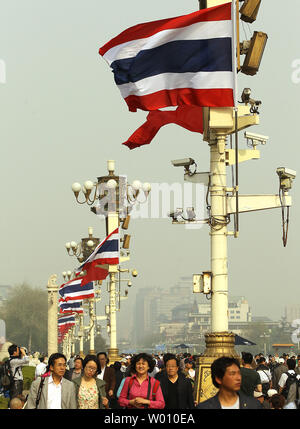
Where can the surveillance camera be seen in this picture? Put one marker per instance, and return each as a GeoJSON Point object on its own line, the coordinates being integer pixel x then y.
{"type": "Point", "coordinates": [246, 95]}
{"type": "Point", "coordinates": [286, 173]}
{"type": "Point", "coordinates": [186, 162]}
{"type": "Point", "coordinates": [191, 213]}
{"type": "Point", "coordinates": [176, 214]}
{"type": "Point", "coordinates": [286, 177]}
{"type": "Point", "coordinates": [248, 100]}
{"type": "Point", "coordinates": [256, 137]}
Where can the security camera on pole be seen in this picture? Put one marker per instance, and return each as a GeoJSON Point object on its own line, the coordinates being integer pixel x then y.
{"type": "Point", "coordinates": [219, 123]}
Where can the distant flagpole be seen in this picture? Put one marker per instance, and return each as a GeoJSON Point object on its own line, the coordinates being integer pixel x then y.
{"type": "Point", "coordinates": [235, 101]}
{"type": "Point", "coordinates": [234, 52]}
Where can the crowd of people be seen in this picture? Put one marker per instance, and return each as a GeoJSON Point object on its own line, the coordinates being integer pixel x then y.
{"type": "Point", "coordinates": [165, 381]}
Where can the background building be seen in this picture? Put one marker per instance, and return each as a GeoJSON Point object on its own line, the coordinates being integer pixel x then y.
{"type": "Point", "coordinates": [292, 312]}
{"type": "Point", "coordinates": [176, 315]}
{"type": "Point", "coordinates": [4, 291]}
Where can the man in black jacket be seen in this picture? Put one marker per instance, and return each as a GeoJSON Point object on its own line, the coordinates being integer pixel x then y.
{"type": "Point", "coordinates": [226, 376]}
{"type": "Point", "coordinates": [176, 388]}
{"type": "Point", "coordinates": [76, 371]}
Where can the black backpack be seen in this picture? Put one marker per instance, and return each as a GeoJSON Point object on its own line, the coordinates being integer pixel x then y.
{"type": "Point", "coordinates": [6, 375]}
{"type": "Point", "coordinates": [292, 378]}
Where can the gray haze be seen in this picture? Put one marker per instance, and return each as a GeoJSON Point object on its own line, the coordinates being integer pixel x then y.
{"type": "Point", "coordinates": [62, 117]}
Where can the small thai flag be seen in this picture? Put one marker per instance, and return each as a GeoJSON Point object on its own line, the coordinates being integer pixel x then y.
{"type": "Point", "coordinates": [74, 290]}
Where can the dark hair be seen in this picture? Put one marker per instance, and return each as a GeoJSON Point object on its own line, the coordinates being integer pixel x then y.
{"type": "Point", "coordinates": [79, 358]}
{"type": "Point", "coordinates": [144, 356]}
{"type": "Point", "coordinates": [166, 357]}
{"type": "Point", "coordinates": [291, 363]}
{"type": "Point", "coordinates": [277, 401]}
{"type": "Point", "coordinates": [172, 357]}
{"type": "Point", "coordinates": [93, 358]}
{"type": "Point", "coordinates": [103, 353]}
{"type": "Point", "coordinates": [247, 357]}
{"type": "Point", "coordinates": [53, 358]}
{"type": "Point", "coordinates": [219, 366]}
{"type": "Point", "coordinates": [117, 366]}
{"type": "Point", "coordinates": [12, 348]}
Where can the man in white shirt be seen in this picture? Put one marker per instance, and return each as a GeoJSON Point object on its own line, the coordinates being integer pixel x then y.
{"type": "Point", "coordinates": [40, 369]}
{"type": "Point", "coordinates": [288, 393]}
{"type": "Point", "coordinates": [54, 391]}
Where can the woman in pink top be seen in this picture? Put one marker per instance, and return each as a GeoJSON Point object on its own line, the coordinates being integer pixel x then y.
{"type": "Point", "coordinates": [141, 390]}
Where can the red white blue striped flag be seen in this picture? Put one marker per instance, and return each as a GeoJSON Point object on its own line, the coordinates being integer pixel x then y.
{"type": "Point", "coordinates": [70, 306]}
{"type": "Point", "coordinates": [66, 321]}
{"type": "Point", "coordinates": [75, 290]}
{"type": "Point", "coordinates": [106, 253]}
{"type": "Point", "coordinates": [186, 60]}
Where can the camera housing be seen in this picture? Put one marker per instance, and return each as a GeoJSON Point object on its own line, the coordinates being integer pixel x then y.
{"type": "Point", "coordinates": [185, 162]}
{"type": "Point", "coordinates": [286, 173]}
{"type": "Point", "coordinates": [286, 177]}
{"type": "Point", "coordinates": [174, 215]}
{"type": "Point", "coordinates": [256, 138]}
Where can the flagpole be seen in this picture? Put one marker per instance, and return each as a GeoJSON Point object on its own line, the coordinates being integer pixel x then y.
{"type": "Point", "coordinates": [235, 51]}
{"type": "Point", "coordinates": [113, 352]}
{"type": "Point", "coordinates": [219, 341]}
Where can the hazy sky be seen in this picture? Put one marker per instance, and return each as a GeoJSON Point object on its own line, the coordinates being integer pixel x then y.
{"type": "Point", "coordinates": [62, 118]}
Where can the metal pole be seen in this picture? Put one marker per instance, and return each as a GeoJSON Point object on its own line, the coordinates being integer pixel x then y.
{"type": "Point", "coordinates": [218, 233]}
{"type": "Point", "coordinates": [112, 224]}
{"type": "Point", "coordinates": [81, 335]}
{"type": "Point", "coordinates": [92, 326]}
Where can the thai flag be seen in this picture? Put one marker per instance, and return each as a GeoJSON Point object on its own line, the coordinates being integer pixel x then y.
{"type": "Point", "coordinates": [75, 290]}
{"type": "Point", "coordinates": [186, 60]}
{"type": "Point", "coordinates": [65, 323]}
{"type": "Point", "coordinates": [73, 306]}
{"type": "Point", "coordinates": [106, 253]}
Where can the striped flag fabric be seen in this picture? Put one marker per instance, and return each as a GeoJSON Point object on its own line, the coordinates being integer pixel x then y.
{"type": "Point", "coordinates": [66, 322]}
{"type": "Point", "coordinates": [70, 306]}
{"type": "Point", "coordinates": [186, 60]}
{"type": "Point", "coordinates": [189, 117]}
{"type": "Point", "coordinates": [106, 253]}
{"type": "Point", "coordinates": [74, 290]}
{"type": "Point", "coordinates": [64, 325]}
